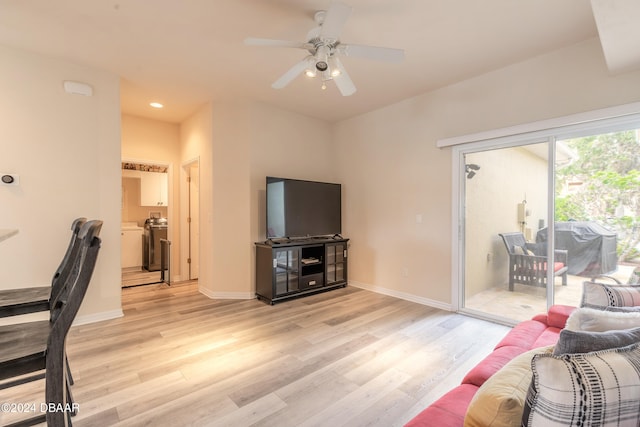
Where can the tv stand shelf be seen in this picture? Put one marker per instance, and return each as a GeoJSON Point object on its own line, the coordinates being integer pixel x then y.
{"type": "Point", "coordinates": [293, 268]}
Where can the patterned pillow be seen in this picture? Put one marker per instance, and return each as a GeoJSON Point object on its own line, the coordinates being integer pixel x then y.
{"type": "Point", "coordinates": [591, 389]}
{"type": "Point", "coordinates": [599, 295]}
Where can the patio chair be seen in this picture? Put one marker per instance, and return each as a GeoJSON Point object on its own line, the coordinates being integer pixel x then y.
{"type": "Point", "coordinates": [27, 349]}
{"type": "Point", "coordinates": [528, 261]}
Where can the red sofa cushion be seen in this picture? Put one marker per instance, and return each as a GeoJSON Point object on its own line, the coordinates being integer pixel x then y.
{"type": "Point", "coordinates": [558, 315]}
{"type": "Point", "coordinates": [541, 331]}
{"type": "Point", "coordinates": [491, 364]}
{"type": "Point", "coordinates": [523, 335]}
{"type": "Point", "coordinates": [449, 410]}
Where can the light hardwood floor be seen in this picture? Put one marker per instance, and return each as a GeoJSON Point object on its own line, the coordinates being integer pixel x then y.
{"type": "Point", "coordinates": [347, 357]}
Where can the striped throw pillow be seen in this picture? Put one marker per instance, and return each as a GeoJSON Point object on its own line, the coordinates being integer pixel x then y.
{"type": "Point", "coordinates": [601, 388]}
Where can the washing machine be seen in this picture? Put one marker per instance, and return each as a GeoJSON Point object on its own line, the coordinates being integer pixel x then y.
{"type": "Point", "coordinates": [155, 229]}
{"type": "Point", "coordinates": [131, 244]}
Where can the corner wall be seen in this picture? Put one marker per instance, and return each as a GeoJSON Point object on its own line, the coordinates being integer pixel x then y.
{"type": "Point", "coordinates": [66, 149]}
{"type": "Point", "coordinates": [238, 145]}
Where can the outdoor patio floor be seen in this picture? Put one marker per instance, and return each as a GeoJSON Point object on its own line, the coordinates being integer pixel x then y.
{"type": "Point", "coordinates": [527, 301]}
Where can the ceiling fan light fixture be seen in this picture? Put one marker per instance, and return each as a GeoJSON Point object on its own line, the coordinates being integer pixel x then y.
{"type": "Point", "coordinates": [310, 68]}
{"type": "Point", "coordinates": [324, 49]}
{"type": "Point", "coordinates": [322, 65]}
{"type": "Point", "coordinates": [322, 56]}
{"type": "Point", "coordinates": [333, 66]}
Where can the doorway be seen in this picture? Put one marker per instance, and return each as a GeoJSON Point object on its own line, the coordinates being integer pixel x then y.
{"type": "Point", "coordinates": [145, 225]}
{"type": "Point", "coordinates": [505, 197]}
{"type": "Point", "coordinates": [190, 224]}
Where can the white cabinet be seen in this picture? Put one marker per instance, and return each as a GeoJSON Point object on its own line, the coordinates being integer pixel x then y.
{"type": "Point", "coordinates": [153, 189]}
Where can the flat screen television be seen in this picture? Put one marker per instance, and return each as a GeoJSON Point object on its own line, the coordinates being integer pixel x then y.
{"type": "Point", "coordinates": [297, 208]}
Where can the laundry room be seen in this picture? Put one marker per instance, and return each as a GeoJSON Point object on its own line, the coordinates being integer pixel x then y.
{"type": "Point", "coordinates": [149, 226]}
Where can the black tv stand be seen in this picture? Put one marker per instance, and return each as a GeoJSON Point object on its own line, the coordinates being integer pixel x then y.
{"type": "Point", "coordinates": [289, 268]}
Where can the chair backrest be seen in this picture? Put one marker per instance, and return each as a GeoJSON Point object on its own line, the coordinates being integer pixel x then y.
{"type": "Point", "coordinates": [513, 239]}
{"type": "Point", "coordinates": [64, 269]}
{"type": "Point", "coordinates": [65, 308]}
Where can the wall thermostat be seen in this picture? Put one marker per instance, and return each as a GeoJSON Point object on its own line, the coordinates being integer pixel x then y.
{"type": "Point", "coordinates": [9, 179]}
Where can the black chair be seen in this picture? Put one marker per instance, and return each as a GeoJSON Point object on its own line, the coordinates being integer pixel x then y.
{"type": "Point", "coordinates": [26, 349]}
{"type": "Point", "coordinates": [14, 302]}
{"type": "Point", "coordinates": [528, 261]}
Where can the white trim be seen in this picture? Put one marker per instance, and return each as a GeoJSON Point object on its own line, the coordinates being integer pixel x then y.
{"type": "Point", "coordinates": [402, 295]}
{"type": "Point", "coordinates": [98, 317]}
{"type": "Point", "coordinates": [456, 232]}
{"type": "Point", "coordinates": [226, 295]}
{"type": "Point", "coordinates": [549, 124]}
{"type": "Point", "coordinates": [183, 209]}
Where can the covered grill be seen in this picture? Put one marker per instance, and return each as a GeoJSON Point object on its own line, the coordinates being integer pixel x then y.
{"type": "Point", "coordinates": [591, 247]}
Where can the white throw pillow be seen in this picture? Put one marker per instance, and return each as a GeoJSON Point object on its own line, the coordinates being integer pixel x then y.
{"type": "Point", "coordinates": [590, 319]}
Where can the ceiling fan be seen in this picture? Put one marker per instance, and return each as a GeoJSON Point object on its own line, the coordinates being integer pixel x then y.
{"type": "Point", "coordinates": [324, 47]}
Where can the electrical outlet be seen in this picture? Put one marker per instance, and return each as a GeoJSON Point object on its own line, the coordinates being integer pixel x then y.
{"type": "Point", "coordinates": [9, 179]}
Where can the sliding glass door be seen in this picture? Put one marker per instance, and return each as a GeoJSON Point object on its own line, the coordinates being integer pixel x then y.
{"type": "Point", "coordinates": [505, 202]}
{"type": "Point", "coordinates": [538, 217]}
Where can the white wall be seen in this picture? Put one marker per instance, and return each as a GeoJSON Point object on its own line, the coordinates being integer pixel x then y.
{"type": "Point", "coordinates": [393, 171]}
{"type": "Point", "coordinates": [238, 145]}
{"type": "Point", "coordinates": [397, 184]}
{"type": "Point", "coordinates": [66, 149]}
{"type": "Point", "coordinates": [196, 136]}
{"type": "Point", "coordinates": [287, 145]}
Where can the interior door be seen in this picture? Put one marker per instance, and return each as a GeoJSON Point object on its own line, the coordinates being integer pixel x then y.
{"type": "Point", "coordinates": [194, 220]}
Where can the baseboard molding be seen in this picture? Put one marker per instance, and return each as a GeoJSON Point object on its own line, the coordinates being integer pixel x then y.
{"type": "Point", "coordinates": [377, 289]}
{"type": "Point", "coordinates": [402, 295]}
{"type": "Point", "coordinates": [226, 295]}
{"type": "Point", "coordinates": [98, 317]}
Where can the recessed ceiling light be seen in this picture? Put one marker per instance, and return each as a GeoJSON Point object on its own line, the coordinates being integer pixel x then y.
{"type": "Point", "coordinates": [156, 105]}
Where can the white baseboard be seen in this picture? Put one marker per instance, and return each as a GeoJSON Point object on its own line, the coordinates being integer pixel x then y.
{"type": "Point", "coordinates": [402, 295]}
{"type": "Point", "coordinates": [97, 317]}
{"type": "Point", "coordinates": [226, 295]}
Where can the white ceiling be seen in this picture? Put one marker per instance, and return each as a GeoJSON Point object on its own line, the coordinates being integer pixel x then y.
{"type": "Point", "coordinates": [185, 53]}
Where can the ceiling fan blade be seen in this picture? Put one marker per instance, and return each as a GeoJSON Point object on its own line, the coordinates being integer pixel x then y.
{"type": "Point", "coordinates": [343, 81]}
{"type": "Point", "coordinates": [334, 20]}
{"type": "Point", "coordinates": [292, 73]}
{"type": "Point", "coordinates": [253, 41]}
{"type": "Point", "coordinates": [372, 52]}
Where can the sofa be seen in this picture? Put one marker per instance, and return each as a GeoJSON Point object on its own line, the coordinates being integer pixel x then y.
{"type": "Point", "coordinates": [542, 330]}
